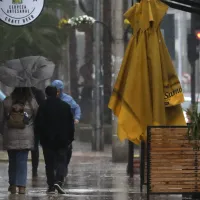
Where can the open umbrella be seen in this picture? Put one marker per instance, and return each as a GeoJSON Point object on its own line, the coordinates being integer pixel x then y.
{"type": "Point", "coordinates": [147, 90]}
{"type": "Point", "coordinates": [26, 72]}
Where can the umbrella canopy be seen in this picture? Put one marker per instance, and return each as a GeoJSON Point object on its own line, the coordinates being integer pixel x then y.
{"type": "Point", "coordinates": [147, 90]}
{"type": "Point", "coordinates": [26, 72]}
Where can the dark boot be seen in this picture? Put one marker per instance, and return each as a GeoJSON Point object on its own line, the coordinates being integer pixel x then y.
{"type": "Point", "coordinates": [12, 189]}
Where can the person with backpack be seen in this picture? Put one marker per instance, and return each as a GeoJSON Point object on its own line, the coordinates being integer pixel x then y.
{"type": "Point", "coordinates": [76, 111]}
{"type": "Point", "coordinates": [55, 125]}
{"type": "Point", "coordinates": [16, 124]}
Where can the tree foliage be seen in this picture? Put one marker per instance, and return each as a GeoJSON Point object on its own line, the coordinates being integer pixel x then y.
{"type": "Point", "coordinates": [42, 37]}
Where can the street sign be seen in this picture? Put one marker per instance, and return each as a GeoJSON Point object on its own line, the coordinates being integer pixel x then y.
{"type": "Point", "coordinates": [20, 12]}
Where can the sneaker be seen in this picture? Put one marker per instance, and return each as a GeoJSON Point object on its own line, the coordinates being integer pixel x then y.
{"type": "Point", "coordinates": [51, 190]}
{"type": "Point", "coordinates": [58, 187]}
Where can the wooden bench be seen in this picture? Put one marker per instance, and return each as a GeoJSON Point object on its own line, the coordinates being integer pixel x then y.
{"type": "Point", "coordinates": [173, 166]}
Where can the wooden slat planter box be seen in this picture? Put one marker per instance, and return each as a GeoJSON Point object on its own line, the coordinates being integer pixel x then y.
{"type": "Point", "coordinates": [172, 163]}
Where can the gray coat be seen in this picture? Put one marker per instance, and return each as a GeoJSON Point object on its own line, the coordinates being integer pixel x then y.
{"type": "Point", "coordinates": [17, 139]}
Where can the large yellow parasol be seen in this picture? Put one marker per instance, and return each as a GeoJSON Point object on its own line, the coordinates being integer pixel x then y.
{"type": "Point", "coordinates": [147, 90]}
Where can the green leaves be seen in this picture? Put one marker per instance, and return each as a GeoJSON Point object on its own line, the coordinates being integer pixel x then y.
{"type": "Point", "coordinates": [8, 37]}
{"type": "Point", "coordinates": [42, 37]}
{"type": "Point", "coordinates": [194, 128]}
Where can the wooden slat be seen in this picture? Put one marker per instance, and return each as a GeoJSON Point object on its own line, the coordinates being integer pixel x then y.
{"type": "Point", "coordinates": [169, 190]}
{"type": "Point", "coordinates": [173, 176]}
{"type": "Point", "coordinates": [172, 149]}
{"type": "Point", "coordinates": [172, 172]}
{"type": "Point", "coordinates": [168, 141]}
{"type": "Point", "coordinates": [175, 189]}
{"type": "Point", "coordinates": [173, 156]}
{"type": "Point", "coordinates": [174, 186]}
{"type": "Point", "coordinates": [175, 167]}
{"type": "Point", "coordinates": [183, 184]}
{"type": "Point", "coordinates": [172, 162]}
{"type": "Point", "coordinates": [168, 179]}
{"type": "Point", "coordinates": [189, 152]}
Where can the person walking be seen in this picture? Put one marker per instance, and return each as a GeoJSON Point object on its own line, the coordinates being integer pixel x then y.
{"type": "Point", "coordinates": [39, 97]}
{"type": "Point", "coordinates": [76, 111]}
{"type": "Point", "coordinates": [55, 125]}
{"type": "Point", "coordinates": [16, 124]}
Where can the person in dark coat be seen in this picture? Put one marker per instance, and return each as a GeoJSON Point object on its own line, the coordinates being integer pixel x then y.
{"type": "Point", "coordinates": [55, 125]}
{"type": "Point", "coordinates": [39, 97]}
{"type": "Point", "coordinates": [76, 110]}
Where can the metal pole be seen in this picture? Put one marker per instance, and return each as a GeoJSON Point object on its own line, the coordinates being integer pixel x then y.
{"type": "Point", "coordinates": [180, 41]}
{"type": "Point", "coordinates": [193, 82]}
{"type": "Point", "coordinates": [130, 159]}
{"type": "Point", "coordinates": [98, 129]}
{"type": "Point", "coordinates": [142, 165]}
{"type": "Point", "coordinates": [197, 78]}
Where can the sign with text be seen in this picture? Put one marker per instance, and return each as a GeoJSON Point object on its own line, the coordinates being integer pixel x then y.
{"type": "Point", "coordinates": [20, 12]}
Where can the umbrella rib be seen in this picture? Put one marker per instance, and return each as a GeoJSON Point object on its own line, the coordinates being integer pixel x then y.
{"type": "Point", "coordinates": [182, 7]}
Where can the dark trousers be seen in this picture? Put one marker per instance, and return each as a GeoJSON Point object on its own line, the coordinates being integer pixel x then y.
{"type": "Point", "coordinates": [68, 158]}
{"type": "Point", "coordinates": [55, 161]}
{"type": "Point", "coordinates": [69, 154]}
{"type": "Point", "coordinates": [35, 156]}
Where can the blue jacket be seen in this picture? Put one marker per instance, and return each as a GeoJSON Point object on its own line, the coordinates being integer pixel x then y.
{"type": "Point", "coordinates": [74, 106]}
{"type": "Point", "coordinates": [68, 99]}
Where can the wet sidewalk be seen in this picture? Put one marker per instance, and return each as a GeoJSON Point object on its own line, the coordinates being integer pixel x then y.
{"type": "Point", "coordinates": [92, 176]}
{"type": "Point", "coordinates": [79, 149]}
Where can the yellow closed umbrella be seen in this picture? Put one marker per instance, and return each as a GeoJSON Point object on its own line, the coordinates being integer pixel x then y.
{"type": "Point", "coordinates": [147, 90]}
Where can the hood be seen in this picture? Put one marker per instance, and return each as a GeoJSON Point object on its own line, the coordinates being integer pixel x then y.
{"type": "Point", "coordinates": [58, 84]}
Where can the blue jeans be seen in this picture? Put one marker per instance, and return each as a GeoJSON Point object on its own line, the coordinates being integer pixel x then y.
{"type": "Point", "coordinates": [17, 170]}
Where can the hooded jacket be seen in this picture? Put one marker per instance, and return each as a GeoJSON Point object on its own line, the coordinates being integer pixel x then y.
{"type": "Point", "coordinates": [68, 99]}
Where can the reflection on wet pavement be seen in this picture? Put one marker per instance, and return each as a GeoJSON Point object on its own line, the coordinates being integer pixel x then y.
{"type": "Point", "coordinates": [92, 178]}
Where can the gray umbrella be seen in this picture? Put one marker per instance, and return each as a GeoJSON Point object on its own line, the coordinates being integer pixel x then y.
{"type": "Point", "coordinates": [26, 72]}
